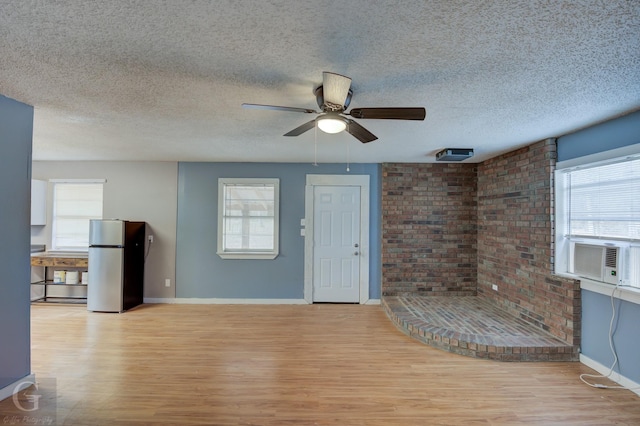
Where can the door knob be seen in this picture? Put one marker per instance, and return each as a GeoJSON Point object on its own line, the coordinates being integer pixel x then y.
{"type": "Point", "coordinates": [356, 253]}
{"type": "Point", "coordinates": [356, 245]}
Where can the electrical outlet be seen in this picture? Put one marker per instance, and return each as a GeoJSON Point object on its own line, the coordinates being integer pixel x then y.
{"type": "Point", "coordinates": [167, 282]}
{"type": "Point", "coordinates": [494, 287]}
{"type": "Point", "coordinates": [150, 238]}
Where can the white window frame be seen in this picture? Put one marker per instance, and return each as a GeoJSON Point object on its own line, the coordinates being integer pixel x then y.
{"type": "Point", "coordinates": [55, 246]}
{"type": "Point", "coordinates": [626, 290]}
{"type": "Point", "coordinates": [247, 253]}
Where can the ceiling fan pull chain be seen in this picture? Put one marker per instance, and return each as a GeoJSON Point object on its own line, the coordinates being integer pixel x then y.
{"type": "Point", "coordinates": [347, 142]}
{"type": "Point", "coordinates": [315, 145]}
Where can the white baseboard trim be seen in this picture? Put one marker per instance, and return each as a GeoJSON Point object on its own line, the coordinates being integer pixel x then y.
{"type": "Point", "coordinates": [222, 301]}
{"type": "Point", "coordinates": [17, 386]}
{"type": "Point", "coordinates": [616, 377]}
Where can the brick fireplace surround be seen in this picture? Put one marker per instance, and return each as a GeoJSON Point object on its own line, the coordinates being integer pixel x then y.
{"type": "Point", "coordinates": [457, 229]}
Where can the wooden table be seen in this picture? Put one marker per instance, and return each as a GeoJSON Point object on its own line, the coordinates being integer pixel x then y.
{"type": "Point", "coordinates": [76, 293]}
{"type": "Point", "coordinates": [79, 260]}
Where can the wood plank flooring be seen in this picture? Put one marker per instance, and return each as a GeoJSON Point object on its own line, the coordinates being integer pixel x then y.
{"type": "Point", "coordinates": [291, 365]}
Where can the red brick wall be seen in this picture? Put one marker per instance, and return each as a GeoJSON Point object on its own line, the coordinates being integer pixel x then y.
{"type": "Point", "coordinates": [515, 241]}
{"type": "Point", "coordinates": [457, 229]}
{"type": "Point", "coordinates": [429, 229]}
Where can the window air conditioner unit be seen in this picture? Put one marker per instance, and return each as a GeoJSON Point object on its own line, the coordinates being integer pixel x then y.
{"type": "Point", "coordinates": [599, 263]}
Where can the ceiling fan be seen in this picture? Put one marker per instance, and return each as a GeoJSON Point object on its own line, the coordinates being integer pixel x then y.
{"type": "Point", "coordinates": [333, 97]}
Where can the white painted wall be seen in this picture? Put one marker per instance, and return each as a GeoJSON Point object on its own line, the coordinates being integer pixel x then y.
{"type": "Point", "coordinates": [145, 191]}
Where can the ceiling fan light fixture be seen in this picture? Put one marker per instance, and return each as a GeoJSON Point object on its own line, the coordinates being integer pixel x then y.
{"type": "Point", "coordinates": [332, 124]}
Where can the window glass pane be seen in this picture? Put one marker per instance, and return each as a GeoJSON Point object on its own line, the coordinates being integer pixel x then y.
{"type": "Point", "coordinates": [242, 200]}
{"type": "Point", "coordinates": [248, 217]}
{"type": "Point", "coordinates": [634, 266]}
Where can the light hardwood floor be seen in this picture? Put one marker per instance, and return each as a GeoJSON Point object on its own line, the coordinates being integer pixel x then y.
{"type": "Point", "coordinates": [291, 365]}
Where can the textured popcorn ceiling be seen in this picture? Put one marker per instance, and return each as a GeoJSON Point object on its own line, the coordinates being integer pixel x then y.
{"type": "Point", "coordinates": [164, 80]}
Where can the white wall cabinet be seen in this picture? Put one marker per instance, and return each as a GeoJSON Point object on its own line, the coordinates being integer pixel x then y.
{"type": "Point", "coordinates": [38, 202]}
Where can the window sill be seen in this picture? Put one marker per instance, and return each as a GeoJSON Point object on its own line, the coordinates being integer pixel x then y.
{"type": "Point", "coordinates": [247, 256]}
{"type": "Point", "coordinates": [626, 293]}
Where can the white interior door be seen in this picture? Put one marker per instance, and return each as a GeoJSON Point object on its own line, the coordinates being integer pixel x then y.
{"type": "Point", "coordinates": [336, 245]}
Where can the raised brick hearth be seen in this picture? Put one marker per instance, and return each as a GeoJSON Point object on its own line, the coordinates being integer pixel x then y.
{"type": "Point", "coordinates": [474, 326]}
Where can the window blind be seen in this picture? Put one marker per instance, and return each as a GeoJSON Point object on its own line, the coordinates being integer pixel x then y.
{"type": "Point", "coordinates": [605, 201]}
{"type": "Point", "coordinates": [74, 205]}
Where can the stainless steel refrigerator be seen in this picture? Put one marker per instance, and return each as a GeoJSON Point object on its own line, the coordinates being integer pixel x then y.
{"type": "Point", "coordinates": [116, 265]}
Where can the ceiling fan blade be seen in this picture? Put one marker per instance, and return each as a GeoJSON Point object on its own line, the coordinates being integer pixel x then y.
{"type": "Point", "coordinates": [335, 88]}
{"type": "Point", "coordinates": [280, 108]}
{"type": "Point", "coordinates": [360, 133]}
{"type": "Point", "coordinates": [301, 129]}
{"type": "Point", "coordinates": [389, 113]}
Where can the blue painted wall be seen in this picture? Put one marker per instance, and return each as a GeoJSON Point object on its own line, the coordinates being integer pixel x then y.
{"type": "Point", "coordinates": [16, 129]}
{"type": "Point", "coordinates": [200, 273]}
{"type": "Point", "coordinates": [613, 134]}
{"type": "Point", "coordinates": [595, 333]}
{"type": "Point", "coordinates": [596, 308]}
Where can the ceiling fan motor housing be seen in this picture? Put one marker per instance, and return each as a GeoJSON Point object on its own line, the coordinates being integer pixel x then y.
{"type": "Point", "coordinates": [329, 107]}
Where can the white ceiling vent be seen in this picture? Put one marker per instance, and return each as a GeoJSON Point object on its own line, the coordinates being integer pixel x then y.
{"type": "Point", "coordinates": [454, 154]}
